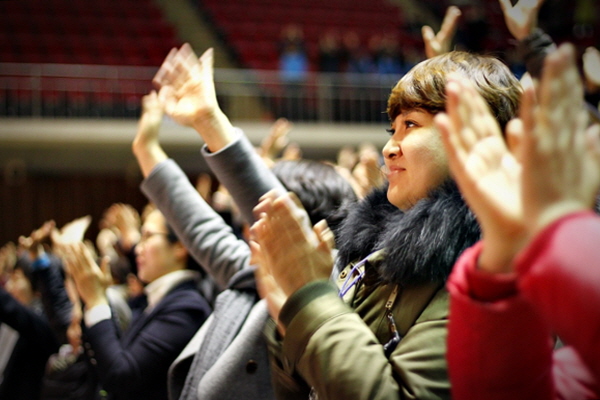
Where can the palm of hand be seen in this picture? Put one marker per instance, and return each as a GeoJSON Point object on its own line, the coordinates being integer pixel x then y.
{"type": "Point", "coordinates": [294, 262]}
{"type": "Point", "coordinates": [562, 168]}
{"type": "Point", "coordinates": [91, 283]}
{"type": "Point", "coordinates": [591, 65]}
{"type": "Point", "coordinates": [521, 18]}
{"type": "Point", "coordinates": [90, 280]}
{"type": "Point", "coordinates": [495, 176]}
{"type": "Point", "coordinates": [152, 109]}
{"type": "Point", "coordinates": [290, 249]}
{"type": "Point", "coordinates": [194, 102]}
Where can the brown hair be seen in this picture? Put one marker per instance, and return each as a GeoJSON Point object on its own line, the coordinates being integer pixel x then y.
{"type": "Point", "coordinates": [424, 85]}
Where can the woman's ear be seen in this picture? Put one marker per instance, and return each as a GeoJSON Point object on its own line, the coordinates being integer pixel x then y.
{"type": "Point", "coordinates": [180, 251]}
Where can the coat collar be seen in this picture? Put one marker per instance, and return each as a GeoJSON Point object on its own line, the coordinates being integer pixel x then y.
{"type": "Point", "coordinates": [421, 244]}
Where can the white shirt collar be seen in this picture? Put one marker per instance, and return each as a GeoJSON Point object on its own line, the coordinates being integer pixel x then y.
{"type": "Point", "coordinates": [157, 289]}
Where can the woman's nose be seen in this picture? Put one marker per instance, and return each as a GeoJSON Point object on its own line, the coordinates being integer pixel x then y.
{"type": "Point", "coordinates": [391, 149]}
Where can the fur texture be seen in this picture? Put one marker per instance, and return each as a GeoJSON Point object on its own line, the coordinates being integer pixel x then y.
{"type": "Point", "coordinates": [422, 243]}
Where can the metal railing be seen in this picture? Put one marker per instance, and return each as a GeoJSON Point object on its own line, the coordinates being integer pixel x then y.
{"type": "Point", "coordinates": [93, 91]}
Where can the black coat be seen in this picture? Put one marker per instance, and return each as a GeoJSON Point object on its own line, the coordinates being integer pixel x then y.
{"type": "Point", "coordinates": [135, 366]}
{"type": "Point", "coordinates": [23, 374]}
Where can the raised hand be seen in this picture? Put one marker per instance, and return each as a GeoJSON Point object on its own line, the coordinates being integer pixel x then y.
{"type": "Point", "coordinates": [127, 222]}
{"type": "Point", "coordinates": [367, 172]}
{"type": "Point", "coordinates": [276, 140]}
{"type": "Point", "coordinates": [90, 280]}
{"type": "Point", "coordinates": [8, 259]}
{"type": "Point", "coordinates": [288, 247]}
{"type": "Point", "coordinates": [486, 172]}
{"type": "Point", "coordinates": [591, 66]}
{"type": "Point", "coordinates": [521, 18]}
{"type": "Point", "coordinates": [436, 44]}
{"type": "Point", "coordinates": [146, 146]}
{"type": "Point", "coordinates": [561, 158]}
{"type": "Point", "coordinates": [186, 85]}
{"type": "Point", "coordinates": [150, 120]}
{"type": "Point", "coordinates": [32, 243]}
{"type": "Point", "coordinates": [187, 91]}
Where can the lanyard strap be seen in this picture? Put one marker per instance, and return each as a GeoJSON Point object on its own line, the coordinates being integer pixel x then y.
{"type": "Point", "coordinates": [349, 282]}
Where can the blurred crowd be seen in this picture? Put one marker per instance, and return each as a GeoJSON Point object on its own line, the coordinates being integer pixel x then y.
{"type": "Point", "coordinates": [459, 261]}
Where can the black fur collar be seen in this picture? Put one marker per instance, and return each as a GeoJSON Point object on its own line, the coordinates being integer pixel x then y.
{"type": "Point", "coordinates": [422, 243]}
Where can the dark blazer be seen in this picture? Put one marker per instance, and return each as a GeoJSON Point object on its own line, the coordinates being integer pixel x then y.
{"type": "Point", "coordinates": [25, 368]}
{"type": "Point", "coordinates": [135, 366]}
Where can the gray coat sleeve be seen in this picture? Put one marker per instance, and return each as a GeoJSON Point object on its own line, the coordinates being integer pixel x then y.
{"type": "Point", "coordinates": [241, 170]}
{"type": "Point", "coordinates": [208, 238]}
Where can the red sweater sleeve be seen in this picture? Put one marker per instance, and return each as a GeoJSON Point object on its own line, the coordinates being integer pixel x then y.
{"type": "Point", "coordinates": [499, 326]}
{"type": "Point", "coordinates": [498, 347]}
{"type": "Point", "coordinates": [559, 273]}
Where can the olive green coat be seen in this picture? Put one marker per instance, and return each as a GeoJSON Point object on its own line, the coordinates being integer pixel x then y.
{"type": "Point", "coordinates": [341, 357]}
{"type": "Point", "coordinates": [334, 348]}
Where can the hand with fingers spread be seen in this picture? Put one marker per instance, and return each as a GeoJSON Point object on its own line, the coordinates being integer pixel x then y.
{"type": "Point", "coordinates": [548, 287]}
{"type": "Point", "coordinates": [591, 67]}
{"type": "Point", "coordinates": [187, 92]}
{"type": "Point", "coordinates": [90, 279]}
{"type": "Point", "coordinates": [367, 172]}
{"type": "Point", "coordinates": [276, 140]}
{"type": "Point", "coordinates": [487, 173]}
{"type": "Point", "coordinates": [128, 223]}
{"type": "Point", "coordinates": [436, 44]}
{"type": "Point", "coordinates": [287, 245]}
{"type": "Point", "coordinates": [146, 146]}
{"type": "Point", "coordinates": [8, 259]}
{"type": "Point", "coordinates": [513, 206]}
{"type": "Point", "coordinates": [561, 164]}
{"type": "Point", "coordinates": [33, 243]}
{"type": "Point", "coordinates": [521, 18]}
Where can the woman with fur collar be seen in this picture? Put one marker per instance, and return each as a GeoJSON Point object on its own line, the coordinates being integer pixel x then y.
{"type": "Point", "coordinates": [381, 333]}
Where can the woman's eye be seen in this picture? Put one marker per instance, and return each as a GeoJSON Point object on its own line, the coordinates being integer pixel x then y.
{"type": "Point", "coordinates": [391, 131]}
{"type": "Point", "coordinates": [410, 124]}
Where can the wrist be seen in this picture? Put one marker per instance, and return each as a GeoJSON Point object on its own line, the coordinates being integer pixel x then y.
{"type": "Point", "coordinates": [523, 33]}
{"type": "Point", "coordinates": [498, 252]}
{"type": "Point", "coordinates": [215, 128]}
{"type": "Point", "coordinates": [553, 213]}
{"type": "Point", "coordinates": [95, 302]}
{"type": "Point", "coordinates": [145, 140]}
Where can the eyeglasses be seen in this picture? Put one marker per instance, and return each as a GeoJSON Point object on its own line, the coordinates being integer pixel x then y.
{"type": "Point", "coordinates": [147, 235]}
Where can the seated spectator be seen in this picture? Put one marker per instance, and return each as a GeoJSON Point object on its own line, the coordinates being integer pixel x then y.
{"type": "Point", "coordinates": [381, 333]}
{"type": "Point", "coordinates": [229, 353]}
{"type": "Point", "coordinates": [356, 56]}
{"type": "Point", "coordinates": [26, 339]}
{"type": "Point", "coordinates": [329, 56]}
{"type": "Point", "coordinates": [34, 314]}
{"type": "Point", "coordinates": [134, 364]}
{"type": "Point", "coordinates": [69, 374]}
